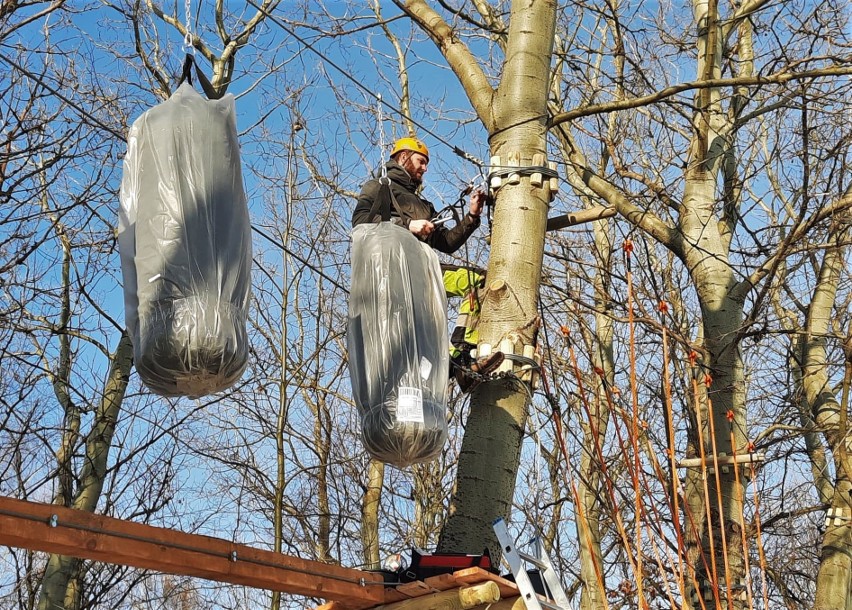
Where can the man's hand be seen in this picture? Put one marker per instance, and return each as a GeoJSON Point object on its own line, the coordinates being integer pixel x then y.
{"type": "Point", "coordinates": [477, 202]}
{"type": "Point", "coordinates": [421, 228]}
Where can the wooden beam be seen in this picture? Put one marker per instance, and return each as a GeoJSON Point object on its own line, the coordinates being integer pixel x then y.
{"type": "Point", "coordinates": [516, 603]}
{"type": "Point", "coordinates": [55, 529]}
{"type": "Point", "coordinates": [577, 218]}
{"type": "Point", "coordinates": [454, 599]}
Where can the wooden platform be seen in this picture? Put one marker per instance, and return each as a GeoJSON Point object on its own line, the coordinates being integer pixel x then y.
{"type": "Point", "coordinates": [55, 529]}
{"type": "Point", "coordinates": [395, 595]}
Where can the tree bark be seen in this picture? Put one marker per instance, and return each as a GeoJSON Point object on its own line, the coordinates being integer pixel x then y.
{"type": "Point", "coordinates": [515, 115]}
{"type": "Point", "coordinates": [56, 590]}
{"type": "Point", "coordinates": [370, 515]}
{"type": "Point", "coordinates": [834, 580]}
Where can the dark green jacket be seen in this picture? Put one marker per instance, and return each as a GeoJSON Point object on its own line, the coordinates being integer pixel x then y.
{"type": "Point", "coordinates": [413, 207]}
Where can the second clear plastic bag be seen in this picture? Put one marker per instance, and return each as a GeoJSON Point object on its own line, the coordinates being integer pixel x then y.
{"type": "Point", "coordinates": [398, 344]}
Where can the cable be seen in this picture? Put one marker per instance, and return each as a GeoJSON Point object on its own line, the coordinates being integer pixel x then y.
{"type": "Point", "coordinates": [318, 271]}
{"type": "Point", "coordinates": [458, 151]}
{"type": "Point", "coordinates": [40, 80]}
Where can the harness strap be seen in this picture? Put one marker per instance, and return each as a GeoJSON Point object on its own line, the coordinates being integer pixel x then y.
{"type": "Point", "coordinates": [206, 85]}
{"type": "Point", "coordinates": [384, 199]}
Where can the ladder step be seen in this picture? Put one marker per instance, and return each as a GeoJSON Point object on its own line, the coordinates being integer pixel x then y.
{"type": "Point", "coordinates": [541, 565]}
{"type": "Point", "coordinates": [531, 598]}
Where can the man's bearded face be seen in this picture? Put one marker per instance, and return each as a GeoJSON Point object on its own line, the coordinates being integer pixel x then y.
{"type": "Point", "coordinates": [415, 164]}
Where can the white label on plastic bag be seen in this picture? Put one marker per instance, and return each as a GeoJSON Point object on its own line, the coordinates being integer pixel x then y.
{"type": "Point", "coordinates": [409, 407]}
{"type": "Point", "coordinates": [425, 368]}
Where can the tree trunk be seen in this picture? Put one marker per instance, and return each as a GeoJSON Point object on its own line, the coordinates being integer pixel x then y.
{"type": "Point", "coordinates": [706, 257]}
{"type": "Point", "coordinates": [57, 590]}
{"type": "Point", "coordinates": [834, 580]}
{"type": "Point", "coordinates": [370, 515]}
{"type": "Point", "coordinates": [515, 116]}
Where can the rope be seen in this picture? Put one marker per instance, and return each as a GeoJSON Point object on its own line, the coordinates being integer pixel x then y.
{"type": "Point", "coordinates": [634, 429]}
{"type": "Point", "coordinates": [302, 260]}
{"type": "Point", "coordinates": [557, 425]}
{"type": "Point", "coordinates": [383, 163]}
{"type": "Point", "coordinates": [743, 540]}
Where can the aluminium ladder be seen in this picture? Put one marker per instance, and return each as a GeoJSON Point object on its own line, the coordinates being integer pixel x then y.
{"type": "Point", "coordinates": [515, 558]}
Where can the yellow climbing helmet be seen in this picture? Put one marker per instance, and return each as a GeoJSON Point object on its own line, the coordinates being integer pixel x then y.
{"type": "Point", "coordinates": [412, 144]}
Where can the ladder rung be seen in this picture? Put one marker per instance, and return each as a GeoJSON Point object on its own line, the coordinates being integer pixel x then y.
{"type": "Point", "coordinates": [541, 565]}
{"type": "Point", "coordinates": [532, 596]}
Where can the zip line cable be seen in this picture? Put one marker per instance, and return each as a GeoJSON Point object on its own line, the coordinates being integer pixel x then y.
{"type": "Point", "coordinates": [458, 151]}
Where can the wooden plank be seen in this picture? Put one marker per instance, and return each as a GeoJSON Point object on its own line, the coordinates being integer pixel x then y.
{"type": "Point", "coordinates": [55, 529]}
{"type": "Point", "coordinates": [453, 599]}
{"type": "Point", "coordinates": [415, 589]}
{"type": "Point", "coordinates": [442, 582]}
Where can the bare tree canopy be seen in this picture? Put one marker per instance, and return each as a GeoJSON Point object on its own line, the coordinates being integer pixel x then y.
{"type": "Point", "coordinates": [673, 414]}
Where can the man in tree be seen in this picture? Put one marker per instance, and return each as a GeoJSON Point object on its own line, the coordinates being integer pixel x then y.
{"type": "Point", "coordinates": [404, 172]}
{"type": "Point", "coordinates": [404, 176]}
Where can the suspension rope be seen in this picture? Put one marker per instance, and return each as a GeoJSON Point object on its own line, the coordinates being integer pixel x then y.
{"type": "Point", "coordinates": [557, 425]}
{"type": "Point", "coordinates": [741, 501]}
{"type": "Point", "coordinates": [759, 536]}
{"type": "Point", "coordinates": [634, 392]}
{"type": "Point", "coordinates": [669, 414]}
{"type": "Point", "coordinates": [708, 380]}
{"type": "Point", "coordinates": [301, 259]}
{"type": "Point", "coordinates": [693, 357]}
{"type": "Point", "coordinates": [610, 489]}
{"type": "Point", "coordinates": [381, 119]}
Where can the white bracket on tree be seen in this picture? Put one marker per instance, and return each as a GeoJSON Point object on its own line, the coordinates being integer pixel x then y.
{"type": "Point", "coordinates": [840, 515]}
{"type": "Point", "coordinates": [524, 362]}
{"type": "Point", "coordinates": [542, 173]}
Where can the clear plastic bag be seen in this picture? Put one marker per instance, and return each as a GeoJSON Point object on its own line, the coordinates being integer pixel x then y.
{"type": "Point", "coordinates": [185, 242]}
{"type": "Point", "coordinates": [398, 345]}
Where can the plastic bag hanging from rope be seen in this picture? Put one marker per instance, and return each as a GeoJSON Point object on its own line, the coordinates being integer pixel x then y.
{"type": "Point", "coordinates": [398, 345]}
{"type": "Point", "coordinates": [185, 244]}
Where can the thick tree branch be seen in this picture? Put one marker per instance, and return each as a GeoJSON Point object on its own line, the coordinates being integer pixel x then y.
{"type": "Point", "coordinates": [458, 56]}
{"type": "Point", "coordinates": [771, 79]}
{"type": "Point", "coordinates": [841, 206]}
